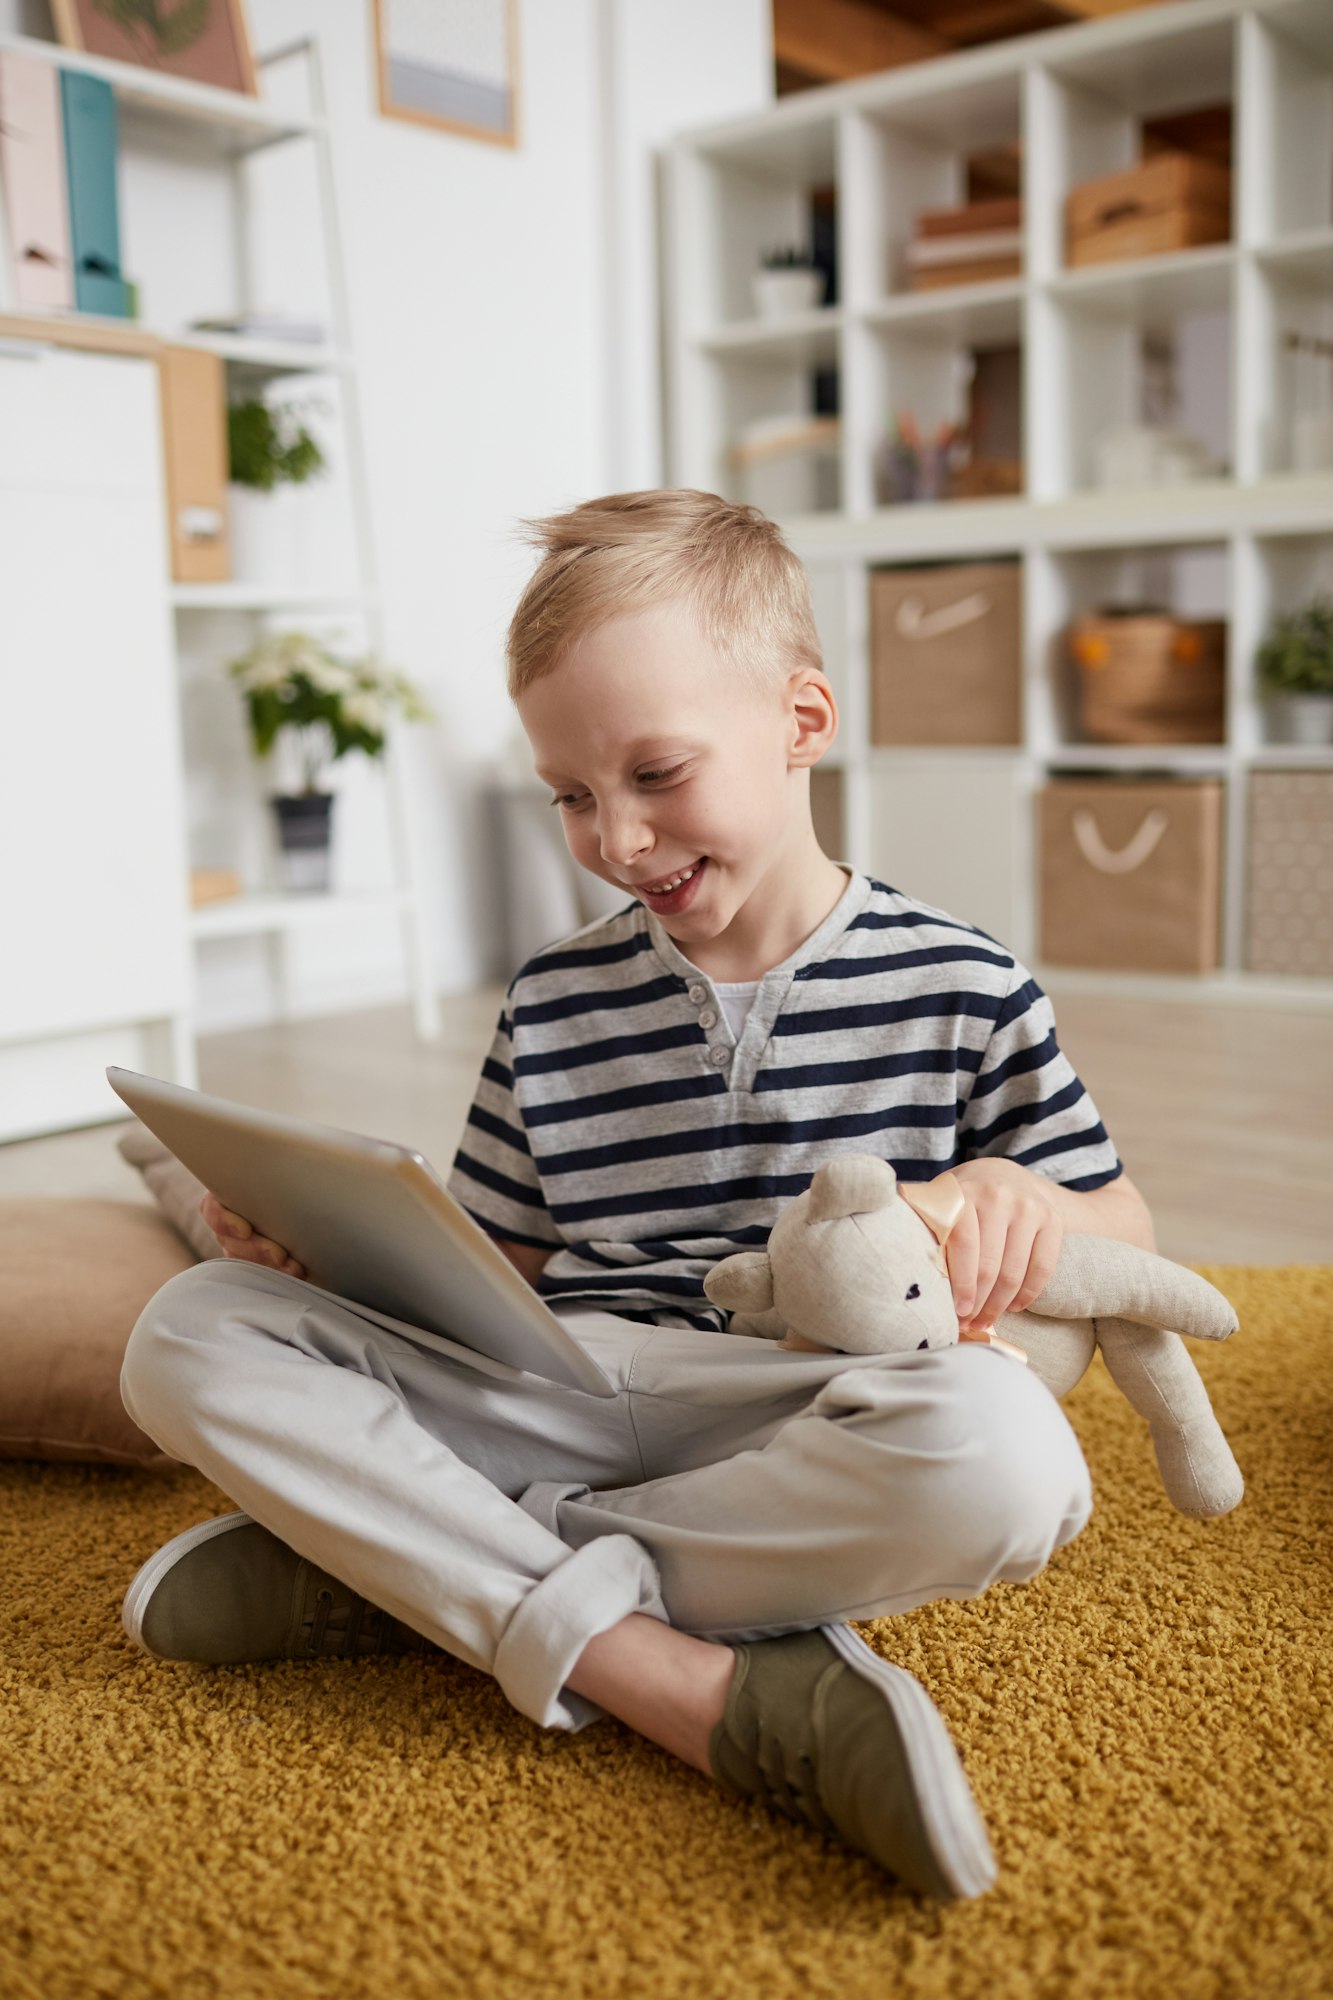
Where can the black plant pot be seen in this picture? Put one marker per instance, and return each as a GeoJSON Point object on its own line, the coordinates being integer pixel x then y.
{"type": "Point", "coordinates": [305, 832]}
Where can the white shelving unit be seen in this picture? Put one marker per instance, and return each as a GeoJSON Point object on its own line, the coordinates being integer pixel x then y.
{"type": "Point", "coordinates": [173, 128]}
{"type": "Point", "coordinates": [956, 826]}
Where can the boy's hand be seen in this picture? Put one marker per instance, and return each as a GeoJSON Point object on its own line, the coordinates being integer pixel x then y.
{"type": "Point", "coordinates": [238, 1239]}
{"type": "Point", "coordinates": [1003, 1248]}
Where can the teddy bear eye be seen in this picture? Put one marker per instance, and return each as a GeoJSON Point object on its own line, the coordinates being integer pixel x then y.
{"type": "Point", "coordinates": [920, 1344]}
{"type": "Point", "coordinates": [913, 1292]}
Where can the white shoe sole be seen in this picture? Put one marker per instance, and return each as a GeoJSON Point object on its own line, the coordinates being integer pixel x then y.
{"type": "Point", "coordinates": [949, 1813]}
{"type": "Point", "coordinates": [147, 1578]}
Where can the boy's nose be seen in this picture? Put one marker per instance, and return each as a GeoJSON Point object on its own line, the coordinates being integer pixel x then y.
{"type": "Point", "coordinates": [624, 838]}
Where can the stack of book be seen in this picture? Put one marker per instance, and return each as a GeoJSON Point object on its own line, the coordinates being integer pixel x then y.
{"type": "Point", "coordinates": [966, 246]}
{"type": "Point", "coordinates": [58, 146]}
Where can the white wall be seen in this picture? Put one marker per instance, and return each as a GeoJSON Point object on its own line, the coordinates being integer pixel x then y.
{"type": "Point", "coordinates": [505, 319]}
{"type": "Point", "coordinates": [504, 304]}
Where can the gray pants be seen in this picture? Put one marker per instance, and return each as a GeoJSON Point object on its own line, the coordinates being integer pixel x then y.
{"type": "Point", "coordinates": [730, 1488]}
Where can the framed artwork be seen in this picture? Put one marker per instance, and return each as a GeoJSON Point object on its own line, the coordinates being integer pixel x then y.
{"type": "Point", "coordinates": [203, 40]}
{"type": "Point", "coordinates": [450, 63]}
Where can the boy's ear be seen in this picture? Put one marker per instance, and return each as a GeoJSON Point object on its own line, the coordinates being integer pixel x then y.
{"type": "Point", "coordinates": [814, 718]}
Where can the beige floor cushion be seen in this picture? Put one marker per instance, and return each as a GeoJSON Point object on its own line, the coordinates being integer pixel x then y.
{"type": "Point", "coordinates": [74, 1276]}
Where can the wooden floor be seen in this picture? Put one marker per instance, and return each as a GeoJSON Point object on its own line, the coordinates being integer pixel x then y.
{"type": "Point", "coordinates": [1223, 1115]}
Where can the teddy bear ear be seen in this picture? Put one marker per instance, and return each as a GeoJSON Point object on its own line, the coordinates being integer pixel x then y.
{"type": "Point", "coordinates": [743, 1283]}
{"type": "Point", "coordinates": [853, 1185]}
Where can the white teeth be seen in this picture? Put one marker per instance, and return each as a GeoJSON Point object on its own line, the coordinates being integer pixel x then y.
{"type": "Point", "coordinates": [665, 888]}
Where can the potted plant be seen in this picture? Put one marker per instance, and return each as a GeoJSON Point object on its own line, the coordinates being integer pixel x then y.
{"type": "Point", "coordinates": [328, 707]}
{"type": "Point", "coordinates": [787, 281]}
{"type": "Point", "coordinates": [1295, 668]}
{"type": "Point", "coordinates": [270, 454]}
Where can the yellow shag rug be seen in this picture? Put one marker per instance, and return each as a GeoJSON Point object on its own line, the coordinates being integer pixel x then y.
{"type": "Point", "coordinates": [1147, 1727]}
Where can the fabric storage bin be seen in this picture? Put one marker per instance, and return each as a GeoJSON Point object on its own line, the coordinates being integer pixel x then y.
{"type": "Point", "coordinates": [1145, 677]}
{"type": "Point", "coordinates": [1289, 873]}
{"type": "Point", "coordinates": [1170, 202]}
{"type": "Point", "coordinates": [946, 654]}
{"type": "Point", "coordinates": [1131, 873]}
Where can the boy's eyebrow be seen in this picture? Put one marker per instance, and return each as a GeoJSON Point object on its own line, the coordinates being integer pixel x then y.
{"type": "Point", "coordinates": [667, 746]}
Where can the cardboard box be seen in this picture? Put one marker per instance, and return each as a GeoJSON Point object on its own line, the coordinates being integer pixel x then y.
{"type": "Point", "coordinates": [1150, 678]}
{"type": "Point", "coordinates": [1289, 873]}
{"type": "Point", "coordinates": [1173, 201]}
{"type": "Point", "coordinates": [194, 430]}
{"type": "Point", "coordinates": [1131, 873]}
{"type": "Point", "coordinates": [946, 654]}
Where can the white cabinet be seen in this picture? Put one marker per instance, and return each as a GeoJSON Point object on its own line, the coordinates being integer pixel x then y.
{"type": "Point", "coordinates": [93, 936]}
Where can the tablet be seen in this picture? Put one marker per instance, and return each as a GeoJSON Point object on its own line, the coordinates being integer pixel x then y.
{"type": "Point", "coordinates": [371, 1221]}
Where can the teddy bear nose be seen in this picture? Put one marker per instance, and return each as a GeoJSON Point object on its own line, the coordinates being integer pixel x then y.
{"type": "Point", "coordinates": [913, 1292]}
{"type": "Point", "coordinates": [920, 1344]}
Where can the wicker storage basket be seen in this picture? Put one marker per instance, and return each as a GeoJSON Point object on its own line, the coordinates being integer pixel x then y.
{"type": "Point", "coordinates": [1131, 873]}
{"type": "Point", "coordinates": [1145, 677]}
{"type": "Point", "coordinates": [1289, 873]}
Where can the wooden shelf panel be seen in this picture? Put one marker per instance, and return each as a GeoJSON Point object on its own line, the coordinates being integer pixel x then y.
{"type": "Point", "coordinates": [225, 119]}
{"type": "Point", "coordinates": [1149, 290]}
{"type": "Point", "coordinates": [809, 337]}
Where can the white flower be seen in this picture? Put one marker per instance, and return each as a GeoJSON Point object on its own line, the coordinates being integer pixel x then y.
{"type": "Point", "coordinates": [266, 671]}
{"type": "Point", "coordinates": [364, 711]}
{"type": "Point", "coordinates": [329, 676]}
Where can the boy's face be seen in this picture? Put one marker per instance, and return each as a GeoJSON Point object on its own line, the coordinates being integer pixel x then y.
{"type": "Point", "coordinates": [664, 759]}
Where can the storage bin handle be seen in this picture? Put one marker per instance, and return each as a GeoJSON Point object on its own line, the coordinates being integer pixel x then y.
{"type": "Point", "coordinates": [1132, 855]}
{"type": "Point", "coordinates": [915, 622]}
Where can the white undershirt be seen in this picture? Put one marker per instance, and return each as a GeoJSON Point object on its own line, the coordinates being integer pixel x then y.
{"type": "Point", "coordinates": [737, 999]}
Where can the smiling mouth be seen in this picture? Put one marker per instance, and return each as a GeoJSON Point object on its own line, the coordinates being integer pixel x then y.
{"type": "Point", "coordinates": [670, 883]}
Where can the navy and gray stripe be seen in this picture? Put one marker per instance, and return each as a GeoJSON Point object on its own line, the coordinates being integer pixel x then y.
{"type": "Point", "coordinates": [614, 1127]}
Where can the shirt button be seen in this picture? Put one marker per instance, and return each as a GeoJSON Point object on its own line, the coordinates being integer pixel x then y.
{"type": "Point", "coordinates": [718, 1057]}
{"type": "Point", "coordinates": [708, 1019]}
{"type": "Point", "coordinates": [698, 993]}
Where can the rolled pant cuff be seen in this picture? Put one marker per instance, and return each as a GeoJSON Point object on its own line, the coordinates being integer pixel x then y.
{"type": "Point", "coordinates": [592, 1590]}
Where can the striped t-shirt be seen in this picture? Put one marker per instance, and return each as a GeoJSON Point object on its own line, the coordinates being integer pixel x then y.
{"type": "Point", "coordinates": [619, 1122]}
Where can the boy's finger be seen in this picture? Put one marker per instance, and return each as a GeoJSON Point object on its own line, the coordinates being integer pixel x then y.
{"type": "Point", "coordinates": [1013, 1275]}
{"type": "Point", "coordinates": [234, 1225]}
{"type": "Point", "coordinates": [1041, 1265]}
{"type": "Point", "coordinates": [961, 1254]}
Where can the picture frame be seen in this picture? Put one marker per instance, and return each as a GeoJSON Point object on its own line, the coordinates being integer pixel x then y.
{"type": "Point", "coordinates": [202, 41]}
{"type": "Point", "coordinates": [450, 64]}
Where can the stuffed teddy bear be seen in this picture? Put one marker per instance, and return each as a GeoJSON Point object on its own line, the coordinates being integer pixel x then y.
{"type": "Point", "coordinates": [856, 1264]}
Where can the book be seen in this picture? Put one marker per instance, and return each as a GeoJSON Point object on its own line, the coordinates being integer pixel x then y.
{"type": "Point", "coordinates": [976, 217]}
{"type": "Point", "coordinates": [923, 254]}
{"type": "Point", "coordinates": [982, 271]}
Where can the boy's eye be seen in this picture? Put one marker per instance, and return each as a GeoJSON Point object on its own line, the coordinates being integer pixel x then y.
{"type": "Point", "coordinates": [572, 799]}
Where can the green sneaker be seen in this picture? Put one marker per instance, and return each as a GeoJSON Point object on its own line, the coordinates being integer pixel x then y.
{"type": "Point", "coordinates": [228, 1590]}
{"type": "Point", "coordinates": [822, 1730]}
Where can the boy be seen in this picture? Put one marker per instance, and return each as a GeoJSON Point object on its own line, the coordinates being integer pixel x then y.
{"type": "Point", "coordinates": [686, 1556]}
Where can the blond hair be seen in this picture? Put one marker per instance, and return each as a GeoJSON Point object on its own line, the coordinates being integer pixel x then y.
{"type": "Point", "coordinates": [622, 554]}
